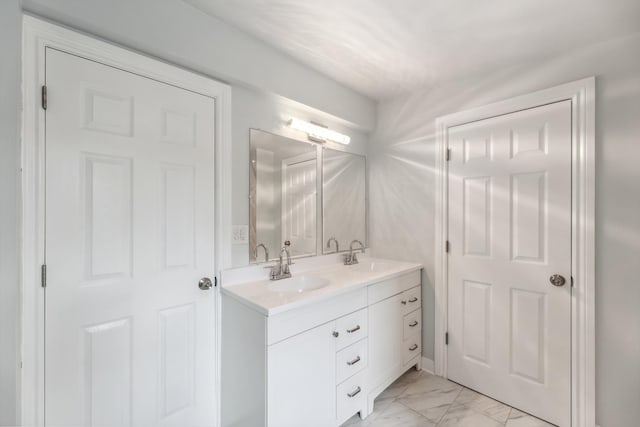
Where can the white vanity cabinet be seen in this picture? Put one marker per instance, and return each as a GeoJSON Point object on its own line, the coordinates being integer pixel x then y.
{"type": "Point", "coordinates": [301, 379]}
{"type": "Point", "coordinates": [320, 363]}
{"type": "Point", "coordinates": [304, 367]}
{"type": "Point", "coordinates": [395, 321]}
{"type": "Point", "coordinates": [312, 377]}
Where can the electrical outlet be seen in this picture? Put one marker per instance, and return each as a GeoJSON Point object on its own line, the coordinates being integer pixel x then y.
{"type": "Point", "coordinates": [240, 234]}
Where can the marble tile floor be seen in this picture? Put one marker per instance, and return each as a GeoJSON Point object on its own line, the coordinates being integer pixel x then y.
{"type": "Point", "coordinates": [419, 399]}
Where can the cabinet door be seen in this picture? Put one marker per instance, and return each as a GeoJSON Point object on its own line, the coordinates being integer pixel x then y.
{"type": "Point", "coordinates": [301, 379]}
{"type": "Point", "coordinates": [385, 339]}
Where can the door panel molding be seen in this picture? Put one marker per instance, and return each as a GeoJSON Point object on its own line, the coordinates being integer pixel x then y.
{"type": "Point", "coordinates": [581, 93]}
{"type": "Point", "coordinates": [38, 35]}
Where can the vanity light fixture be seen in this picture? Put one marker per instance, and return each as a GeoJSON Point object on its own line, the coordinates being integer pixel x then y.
{"type": "Point", "coordinates": [317, 132]}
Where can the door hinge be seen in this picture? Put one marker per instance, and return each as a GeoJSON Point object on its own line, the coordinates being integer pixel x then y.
{"type": "Point", "coordinates": [447, 246]}
{"type": "Point", "coordinates": [44, 97]}
{"type": "Point", "coordinates": [43, 275]}
{"type": "Point", "coordinates": [446, 338]}
{"type": "Point", "coordinates": [448, 154]}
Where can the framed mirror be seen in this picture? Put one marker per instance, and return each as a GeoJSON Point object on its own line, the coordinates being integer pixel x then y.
{"type": "Point", "coordinates": [283, 196]}
{"type": "Point", "coordinates": [344, 200]}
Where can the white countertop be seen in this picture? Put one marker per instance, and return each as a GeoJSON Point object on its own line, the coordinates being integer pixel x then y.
{"type": "Point", "coordinates": [261, 296]}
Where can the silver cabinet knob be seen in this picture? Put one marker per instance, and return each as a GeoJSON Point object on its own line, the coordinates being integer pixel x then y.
{"type": "Point", "coordinates": [557, 280]}
{"type": "Point", "coordinates": [205, 284]}
{"type": "Point", "coordinates": [336, 334]}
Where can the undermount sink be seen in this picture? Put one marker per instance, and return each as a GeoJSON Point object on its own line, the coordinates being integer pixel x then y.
{"type": "Point", "coordinates": [372, 266]}
{"type": "Point", "coordinates": [299, 284]}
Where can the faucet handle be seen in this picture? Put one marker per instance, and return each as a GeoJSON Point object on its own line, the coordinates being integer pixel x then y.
{"type": "Point", "coordinates": [274, 271]}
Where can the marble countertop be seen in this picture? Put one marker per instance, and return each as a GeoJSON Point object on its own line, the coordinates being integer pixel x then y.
{"type": "Point", "coordinates": [268, 298]}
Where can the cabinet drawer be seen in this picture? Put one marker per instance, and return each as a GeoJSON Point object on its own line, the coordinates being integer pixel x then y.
{"type": "Point", "coordinates": [351, 328]}
{"type": "Point", "coordinates": [351, 360]}
{"type": "Point", "coordinates": [387, 288]}
{"type": "Point", "coordinates": [412, 323]}
{"type": "Point", "coordinates": [351, 397]}
{"type": "Point", "coordinates": [412, 347]}
{"type": "Point", "coordinates": [411, 299]}
{"type": "Point", "coordinates": [290, 323]}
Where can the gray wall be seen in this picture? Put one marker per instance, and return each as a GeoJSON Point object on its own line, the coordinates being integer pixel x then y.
{"type": "Point", "coordinates": [10, 79]}
{"type": "Point", "coordinates": [402, 196]}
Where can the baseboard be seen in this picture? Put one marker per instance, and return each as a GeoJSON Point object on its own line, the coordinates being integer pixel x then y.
{"type": "Point", "coordinates": [428, 365]}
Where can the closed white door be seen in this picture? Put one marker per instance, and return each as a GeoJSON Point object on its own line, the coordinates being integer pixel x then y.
{"type": "Point", "coordinates": [130, 336]}
{"type": "Point", "coordinates": [509, 231]}
{"type": "Point", "coordinates": [299, 204]}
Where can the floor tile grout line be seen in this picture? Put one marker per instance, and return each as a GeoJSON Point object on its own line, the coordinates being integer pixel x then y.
{"type": "Point", "coordinates": [449, 407]}
{"type": "Point", "coordinates": [414, 411]}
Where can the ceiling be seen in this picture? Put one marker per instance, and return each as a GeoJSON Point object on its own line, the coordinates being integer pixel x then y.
{"type": "Point", "coordinates": [382, 48]}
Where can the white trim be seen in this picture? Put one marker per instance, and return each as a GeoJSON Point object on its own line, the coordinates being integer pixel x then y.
{"type": "Point", "coordinates": [582, 96]}
{"type": "Point", "coordinates": [38, 35]}
{"type": "Point", "coordinates": [428, 365]}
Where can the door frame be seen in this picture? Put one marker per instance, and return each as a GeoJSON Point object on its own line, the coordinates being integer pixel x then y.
{"type": "Point", "coordinates": [37, 36]}
{"type": "Point", "coordinates": [581, 93]}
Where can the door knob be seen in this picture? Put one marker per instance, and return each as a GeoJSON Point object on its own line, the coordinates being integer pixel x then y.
{"type": "Point", "coordinates": [205, 284]}
{"type": "Point", "coordinates": [557, 280]}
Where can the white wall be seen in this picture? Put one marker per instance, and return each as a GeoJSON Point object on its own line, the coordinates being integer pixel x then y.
{"type": "Point", "coordinates": [402, 196]}
{"type": "Point", "coordinates": [10, 78]}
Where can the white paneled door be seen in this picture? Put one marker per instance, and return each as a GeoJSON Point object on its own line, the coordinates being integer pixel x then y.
{"type": "Point", "coordinates": [509, 228]}
{"type": "Point", "coordinates": [299, 203]}
{"type": "Point", "coordinates": [130, 336]}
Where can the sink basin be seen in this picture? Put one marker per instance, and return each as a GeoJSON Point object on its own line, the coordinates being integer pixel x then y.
{"type": "Point", "coordinates": [371, 266]}
{"type": "Point", "coordinates": [299, 284]}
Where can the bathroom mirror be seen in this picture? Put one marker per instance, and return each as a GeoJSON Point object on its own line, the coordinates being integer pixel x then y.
{"type": "Point", "coordinates": [344, 200]}
{"type": "Point", "coordinates": [283, 196]}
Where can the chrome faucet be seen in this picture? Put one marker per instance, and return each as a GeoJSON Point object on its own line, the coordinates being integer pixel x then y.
{"type": "Point", "coordinates": [334, 240]}
{"type": "Point", "coordinates": [352, 258]}
{"type": "Point", "coordinates": [281, 270]}
{"type": "Point", "coordinates": [266, 252]}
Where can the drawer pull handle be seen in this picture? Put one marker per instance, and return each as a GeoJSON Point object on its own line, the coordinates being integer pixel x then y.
{"type": "Point", "coordinates": [354, 361]}
{"type": "Point", "coordinates": [414, 299]}
{"type": "Point", "coordinates": [414, 323]}
{"type": "Point", "coordinates": [354, 392]}
{"type": "Point", "coordinates": [356, 329]}
{"type": "Point", "coordinates": [336, 334]}
{"type": "Point", "coordinates": [403, 302]}
{"type": "Point", "coordinates": [413, 347]}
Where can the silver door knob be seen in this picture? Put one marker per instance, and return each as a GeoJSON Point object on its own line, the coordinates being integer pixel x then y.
{"type": "Point", "coordinates": [557, 280]}
{"type": "Point", "coordinates": [205, 284]}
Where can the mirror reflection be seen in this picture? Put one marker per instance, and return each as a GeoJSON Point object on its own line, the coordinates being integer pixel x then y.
{"type": "Point", "coordinates": [343, 200]}
{"type": "Point", "coordinates": [282, 196]}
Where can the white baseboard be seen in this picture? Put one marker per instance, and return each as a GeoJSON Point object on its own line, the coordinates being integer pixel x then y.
{"type": "Point", "coordinates": [427, 365]}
